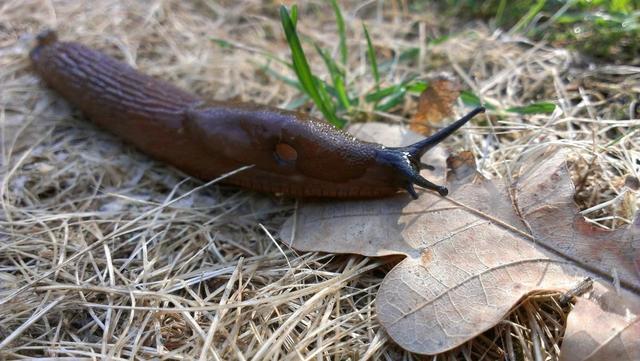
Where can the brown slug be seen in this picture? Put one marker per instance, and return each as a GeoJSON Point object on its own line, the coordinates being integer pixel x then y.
{"type": "Point", "coordinates": [292, 153]}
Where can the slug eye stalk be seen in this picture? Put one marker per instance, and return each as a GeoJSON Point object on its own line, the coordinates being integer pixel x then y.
{"type": "Point", "coordinates": [407, 159]}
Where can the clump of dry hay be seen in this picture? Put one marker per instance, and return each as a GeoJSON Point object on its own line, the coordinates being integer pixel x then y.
{"type": "Point", "coordinates": [105, 252]}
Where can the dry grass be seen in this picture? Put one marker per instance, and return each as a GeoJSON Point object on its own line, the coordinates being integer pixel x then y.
{"type": "Point", "coordinates": [105, 253]}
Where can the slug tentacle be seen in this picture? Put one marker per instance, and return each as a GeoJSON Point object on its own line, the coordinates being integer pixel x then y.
{"type": "Point", "coordinates": [418, 149]}
{"type": "Point", "coordinates": [407, 159]}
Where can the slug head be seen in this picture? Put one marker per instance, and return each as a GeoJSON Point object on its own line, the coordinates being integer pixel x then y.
{"type": "Point", "coordinates": [407, 159]}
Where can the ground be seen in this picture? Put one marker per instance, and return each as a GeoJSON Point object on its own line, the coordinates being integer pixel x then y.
{"type": "Point", "coordinates": [106, 252]}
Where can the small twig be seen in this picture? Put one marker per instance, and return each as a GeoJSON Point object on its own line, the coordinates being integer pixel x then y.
{"type": "Point", "coordinates": [581, 288]}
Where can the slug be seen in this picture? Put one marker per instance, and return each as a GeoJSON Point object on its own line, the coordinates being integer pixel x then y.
{"type": "Point", "coordinates": [292, 153]}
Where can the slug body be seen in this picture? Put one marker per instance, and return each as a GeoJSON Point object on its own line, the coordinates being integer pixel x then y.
{"type": "Point", "coordinates": [291, 153]}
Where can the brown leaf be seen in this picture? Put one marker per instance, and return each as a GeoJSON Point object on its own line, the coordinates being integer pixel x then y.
{"type": "Point", "coordinates": [471, 256]}
{"type": "Point", "coordinates": [556, 223]}
{"type": "Point", "coordinates": [604, 328]}
{"type": "Point", "coordinates": [461, 166]}
{"type": "Point", "coordinates": [435, 104]}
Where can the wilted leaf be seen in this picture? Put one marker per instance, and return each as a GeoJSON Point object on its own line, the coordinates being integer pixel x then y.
{"type": "Point", "coordinates": [604, 328]}
{"type": "Point", "coordinates": [471, 256]}
{"type": "Point", "coordinates": [435, 104]}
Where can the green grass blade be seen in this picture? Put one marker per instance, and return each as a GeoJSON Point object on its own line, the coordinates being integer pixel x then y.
{"type": "Point", "coordinates": [337, 77]}
{"type": "Point", "coordinates": [285, 79]}
{"type": "Point", "coordinates": [410, 54]}
{"type": "Point", "coordinates": [341, 89]}
{"type": "Point", "coordinates": [303, 71]}
{"type": "Point", "coordinates": [417, 87]}
{"type": "Point", "coordinates": [294, 16]}
{"type": "Point", "coordinates": [392, 90]}
{"type": "Point", "coordinates": [528, 17]}
{"type": "Point", "coordinates": [326, 98]}
{"type": "Point", "coordinates": [500, 12]}
{"type": "Point", "coordinates": [372, 57]}
{"type": "Point", "coordinates": [300, 64]}
{"type": "Point", "coordinates": [535, 108]}
{"type": "Point", "coordinates": [341, 32]}
{"type": "Point", "coordinates": [378, 95]}
{"type": "Point", "coordinates": [297, 103]}
{"type": "Point", "coordinates": [222, 43]}
{"type": "Point", "coordinates": [394, 99]}
{"type": "Point", "coordinates": [472, 100]}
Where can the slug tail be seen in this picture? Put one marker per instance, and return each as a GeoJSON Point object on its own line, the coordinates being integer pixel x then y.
{"type": "Point", "coordinates": [44, 38]}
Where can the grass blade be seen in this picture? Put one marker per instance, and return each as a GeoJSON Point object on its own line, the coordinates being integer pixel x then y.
{"type": "Point", "coordinates": [341, 32]}
{"type": "Point", "coordinates": [528, 17]}
{"type": "Point", "coordinates": [378, 95]}
{"type": "Point", "coordinates": [315, 89]}
{"type": "Point", "coordinates": [294, 16]}
{"type": "Point", "coordinates": [472, 100]}
{"type": "Point", "coordinates": [337, 77]}
{"type": "Point", "coordinates": [289, 81]}
{"type": "Point", "coordinates": [417, 87]}
{"type": "Point", "coordinates": [395, 99]}
{"type": "Point", "coordinates": [392, 90]}
{"type": "Point", "coordinates": [372, 57]}
{"type": "Point", "coordinates": [535, 108]}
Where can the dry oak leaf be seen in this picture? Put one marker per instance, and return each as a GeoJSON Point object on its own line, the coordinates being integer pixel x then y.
{"type": "Point", "coordinates": [605, 325]}
{"type": "Point", "coordinates": [470, 257]}
{"type": "Point", "coordinates": [435, 104]}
